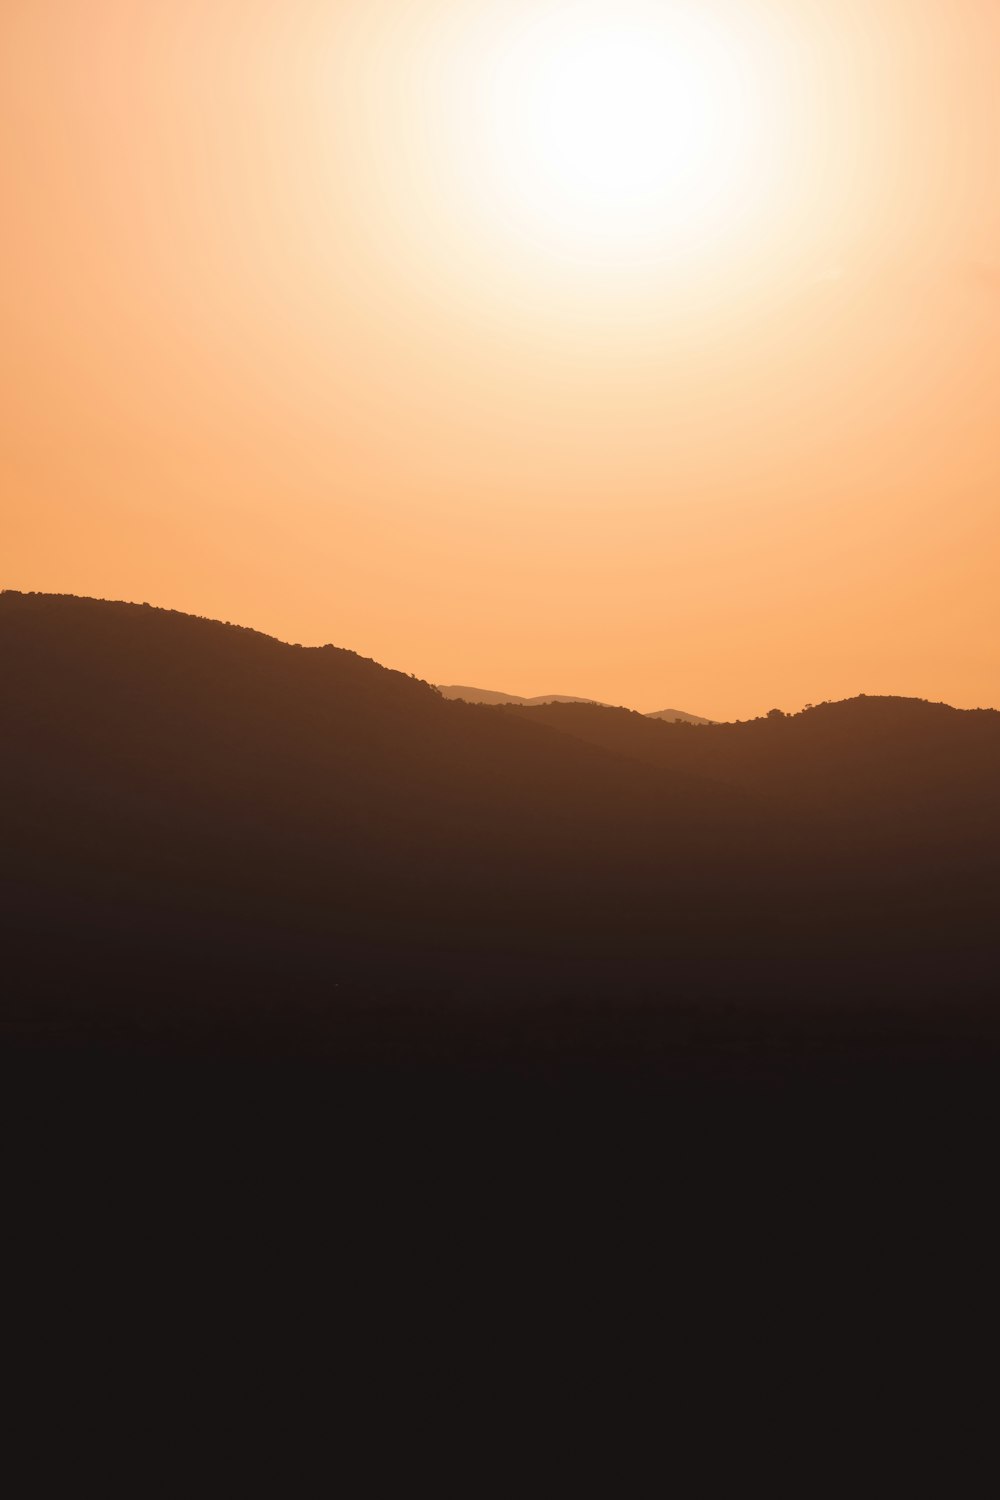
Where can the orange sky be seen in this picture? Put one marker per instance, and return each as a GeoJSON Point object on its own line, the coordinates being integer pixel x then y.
{"type": "Point", "coordinates": [275, 351]}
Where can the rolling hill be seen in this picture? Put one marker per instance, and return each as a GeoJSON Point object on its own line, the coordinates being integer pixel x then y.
{"type": "Point", "coordinates": [207, 833]}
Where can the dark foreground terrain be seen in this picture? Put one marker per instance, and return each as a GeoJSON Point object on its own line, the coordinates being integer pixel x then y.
{"type": "Point", "coordinates": [349, 1029]}
{"type": "Point", "coordinates": [244, 854]}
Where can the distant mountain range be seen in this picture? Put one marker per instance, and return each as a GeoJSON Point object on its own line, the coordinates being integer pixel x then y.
{"type": "Point", "coordinates": [678, 716]}
{"type": "Point", "coordinates": [486, 695]}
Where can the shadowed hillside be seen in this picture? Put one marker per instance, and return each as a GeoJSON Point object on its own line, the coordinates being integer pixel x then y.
{"type": "Point", "coordinates": [896, 771]}
{"type": "Point", "coordinates": [210, 836]}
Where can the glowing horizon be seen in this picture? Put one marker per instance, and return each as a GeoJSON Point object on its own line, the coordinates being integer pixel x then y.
{"type": "Point", "coordinates": [642, 351]}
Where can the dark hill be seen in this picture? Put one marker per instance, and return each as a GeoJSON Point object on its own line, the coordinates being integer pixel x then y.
{"type": "Point", "coordinates": [209, 835]}
{"type": "Point", "coordinates": [899, 768]}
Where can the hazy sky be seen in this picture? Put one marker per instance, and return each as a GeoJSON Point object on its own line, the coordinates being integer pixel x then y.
{"type": "Point", "coordinates": [302, 328]}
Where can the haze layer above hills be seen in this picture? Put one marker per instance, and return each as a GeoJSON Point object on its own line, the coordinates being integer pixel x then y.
{"type": "Point", "coordinates": [206, 828]}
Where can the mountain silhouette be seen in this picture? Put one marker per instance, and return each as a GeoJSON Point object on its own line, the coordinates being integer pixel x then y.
{"type": "Point", "coordinates": [486, 695]}
{"type": "Point", "coordinates": [673, 715]}
{"type": "Point", "coordinates": [212, 839]}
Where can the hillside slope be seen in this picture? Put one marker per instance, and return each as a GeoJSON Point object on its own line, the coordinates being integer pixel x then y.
{"type": "Point", "coordinates": [897, 768]}
{"type": "Point", "coordinates": [136, 733]}
{"type": "Point", "coordinates": [203, 826]}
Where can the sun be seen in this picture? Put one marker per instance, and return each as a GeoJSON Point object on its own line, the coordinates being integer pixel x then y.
{"type": "Point", "coordinates": [604, 126]}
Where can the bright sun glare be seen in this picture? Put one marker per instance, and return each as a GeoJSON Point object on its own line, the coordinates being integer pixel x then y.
{"type": "Point", "coordinates": [604, 126]}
